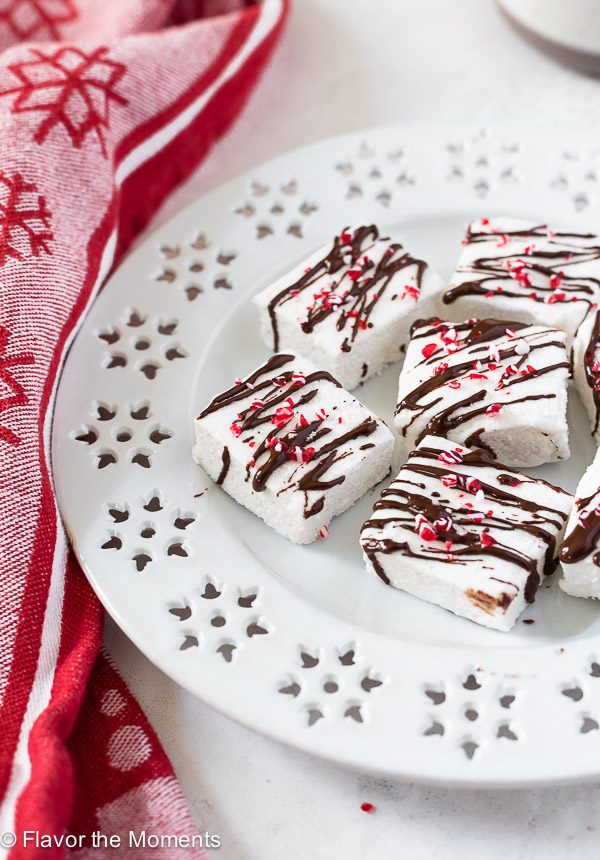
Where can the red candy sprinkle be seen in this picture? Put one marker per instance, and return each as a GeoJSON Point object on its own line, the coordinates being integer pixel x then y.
{"type": "Point", "coordinates": [451, 457]}
{"type": "Point", "coordinates": [487, 539]}
{"type": "Point", "coordinates": [493, 409]}
{"type": "Point", "coordinates": [513, 482]}
{"type": "Point", "coordinates": [282, 415]}
{"type": "Point", "coordinates": [426, 532]}
{"type": "Point", "coordinates": [411, 292]}
{"type": "Point", "coordinates": [301, 455]}
{"type": "Point", "coordinates": [235, 429]}
{"type": "Point", "coordinates": [324, 532]}
{"type": "Point", "coordinates": [429, 349]}
{"type": "Point", "coordinates": [367, 807]}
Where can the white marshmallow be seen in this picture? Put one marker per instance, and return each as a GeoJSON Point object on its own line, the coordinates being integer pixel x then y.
{"type": "Point", "coordinates": [579, 553]}
{"type": "Point", "coordinates": [349, 313]}
{"type": "Point", "coordinates": [432, 535]}
{"type": "Point", "coordinates": [292, 446]}
{"type": "Point", "coordinates": [586, 368]}
{"type": "Point", "coordinates": [500, 385]}
{"type": "Point", "coordinates": [522, 270]}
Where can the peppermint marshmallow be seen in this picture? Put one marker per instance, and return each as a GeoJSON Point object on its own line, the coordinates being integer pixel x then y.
{"type": "Point", "coordinates": [526, 271]}
{"type": "Point", "coordinates": [292, 446]}
{"type": "Point", "coordinates": [586, 368]}
{"type": "Point", "coordinates": [348, 308]}
{"type": "Point", "coordinates": [460, 530]}
{"type": "Point", "coordinates": [579, 552]}
{"type": "Point", "coordinates": [501, 385]}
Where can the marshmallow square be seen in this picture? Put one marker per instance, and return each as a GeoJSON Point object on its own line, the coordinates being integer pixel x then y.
{"type": "Point", "coordinates": [579, 553]}
{"type": "Point", "coordinates": [460, 530]}
{"type": "Point", "coordinates": [525, 271]}
{"type": "Point", "coordinates": [292, 446]}
{"type": "Point", "coordinates": [498, 385]}
{"type": "Point", "coordinates": [586, 368]}
{"type": "Point", "coordinates": [348, 308]}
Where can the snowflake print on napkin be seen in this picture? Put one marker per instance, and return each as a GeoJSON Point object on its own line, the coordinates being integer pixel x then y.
{"type": "Point", "coordinates": [72, 88]}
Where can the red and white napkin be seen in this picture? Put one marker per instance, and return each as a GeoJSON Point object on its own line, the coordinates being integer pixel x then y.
{"type": "Point", "coordinates": [105, 105]}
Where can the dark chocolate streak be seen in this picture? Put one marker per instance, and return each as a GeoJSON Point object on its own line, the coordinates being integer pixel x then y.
{"type": "Point", "coordinates": [589, 358]}
{"type": "Point", "coordinates": [471, 335]}
{"type": "Point", "coordinates": [554, 262]}
{"type": "Point", "coordinates": [358, 304]}
{"type": "Point", "coordinates": [404, 505]}
{"type": "Point", "coordinates": [226, 459]}
{"type": "Point", "coordinates": [239, 392]}
{"type": "Point", "coordinates": [272, 396]}
{"type": "Point", "coordinates": [584, 537]}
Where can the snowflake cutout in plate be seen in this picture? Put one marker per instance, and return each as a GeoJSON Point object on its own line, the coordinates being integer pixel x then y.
{"type": "Point", "coordinates": [73, 88]}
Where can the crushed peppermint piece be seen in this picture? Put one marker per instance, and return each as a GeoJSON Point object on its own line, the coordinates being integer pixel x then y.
{"type": "Point", "coordinates": [282, 415]}
{"type": "Point", "coordinates": [451, 457]}
{"type": "Point", "coordinates": [429, 349]}
{"type": "Point", "coordinates": [449, 480]}
{"type": "Point", "coordinates": [522, 347]}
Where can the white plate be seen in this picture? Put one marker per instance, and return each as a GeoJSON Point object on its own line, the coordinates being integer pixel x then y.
{"type": "Point", "coordinates": [299, 642]}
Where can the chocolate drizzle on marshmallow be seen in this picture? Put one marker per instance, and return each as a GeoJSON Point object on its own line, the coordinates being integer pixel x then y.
{"type": "Point", "coordinates": [348, 284]}
{"type": "Point", "coordinates": [539, 269]}
{"type": "Point", "coordinates": [584, 537]}
{"type": "Point", "coordinates": [444, 507]}
{"type": "Point", "coordinates": [591, 365]}
{"type": "Point", "coordinates": [276, 396]}
{"type": "Point", "coordinates": [486, 355]}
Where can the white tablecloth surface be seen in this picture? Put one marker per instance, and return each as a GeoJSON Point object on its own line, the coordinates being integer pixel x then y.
{"type": "Point", "coordinates": [345, 65]}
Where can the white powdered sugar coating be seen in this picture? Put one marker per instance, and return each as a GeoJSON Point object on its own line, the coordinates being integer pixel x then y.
{"type": "Point", "coordinates": [526, 271]}
{"type": "Point", "coordinates": [292, 446]}
{"type": "Point", "coordinates": [462, 531]}
{"type": "Point", "coordinates": [348, 308]}
{"type": "Point", "coordinates": [501, 385]}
